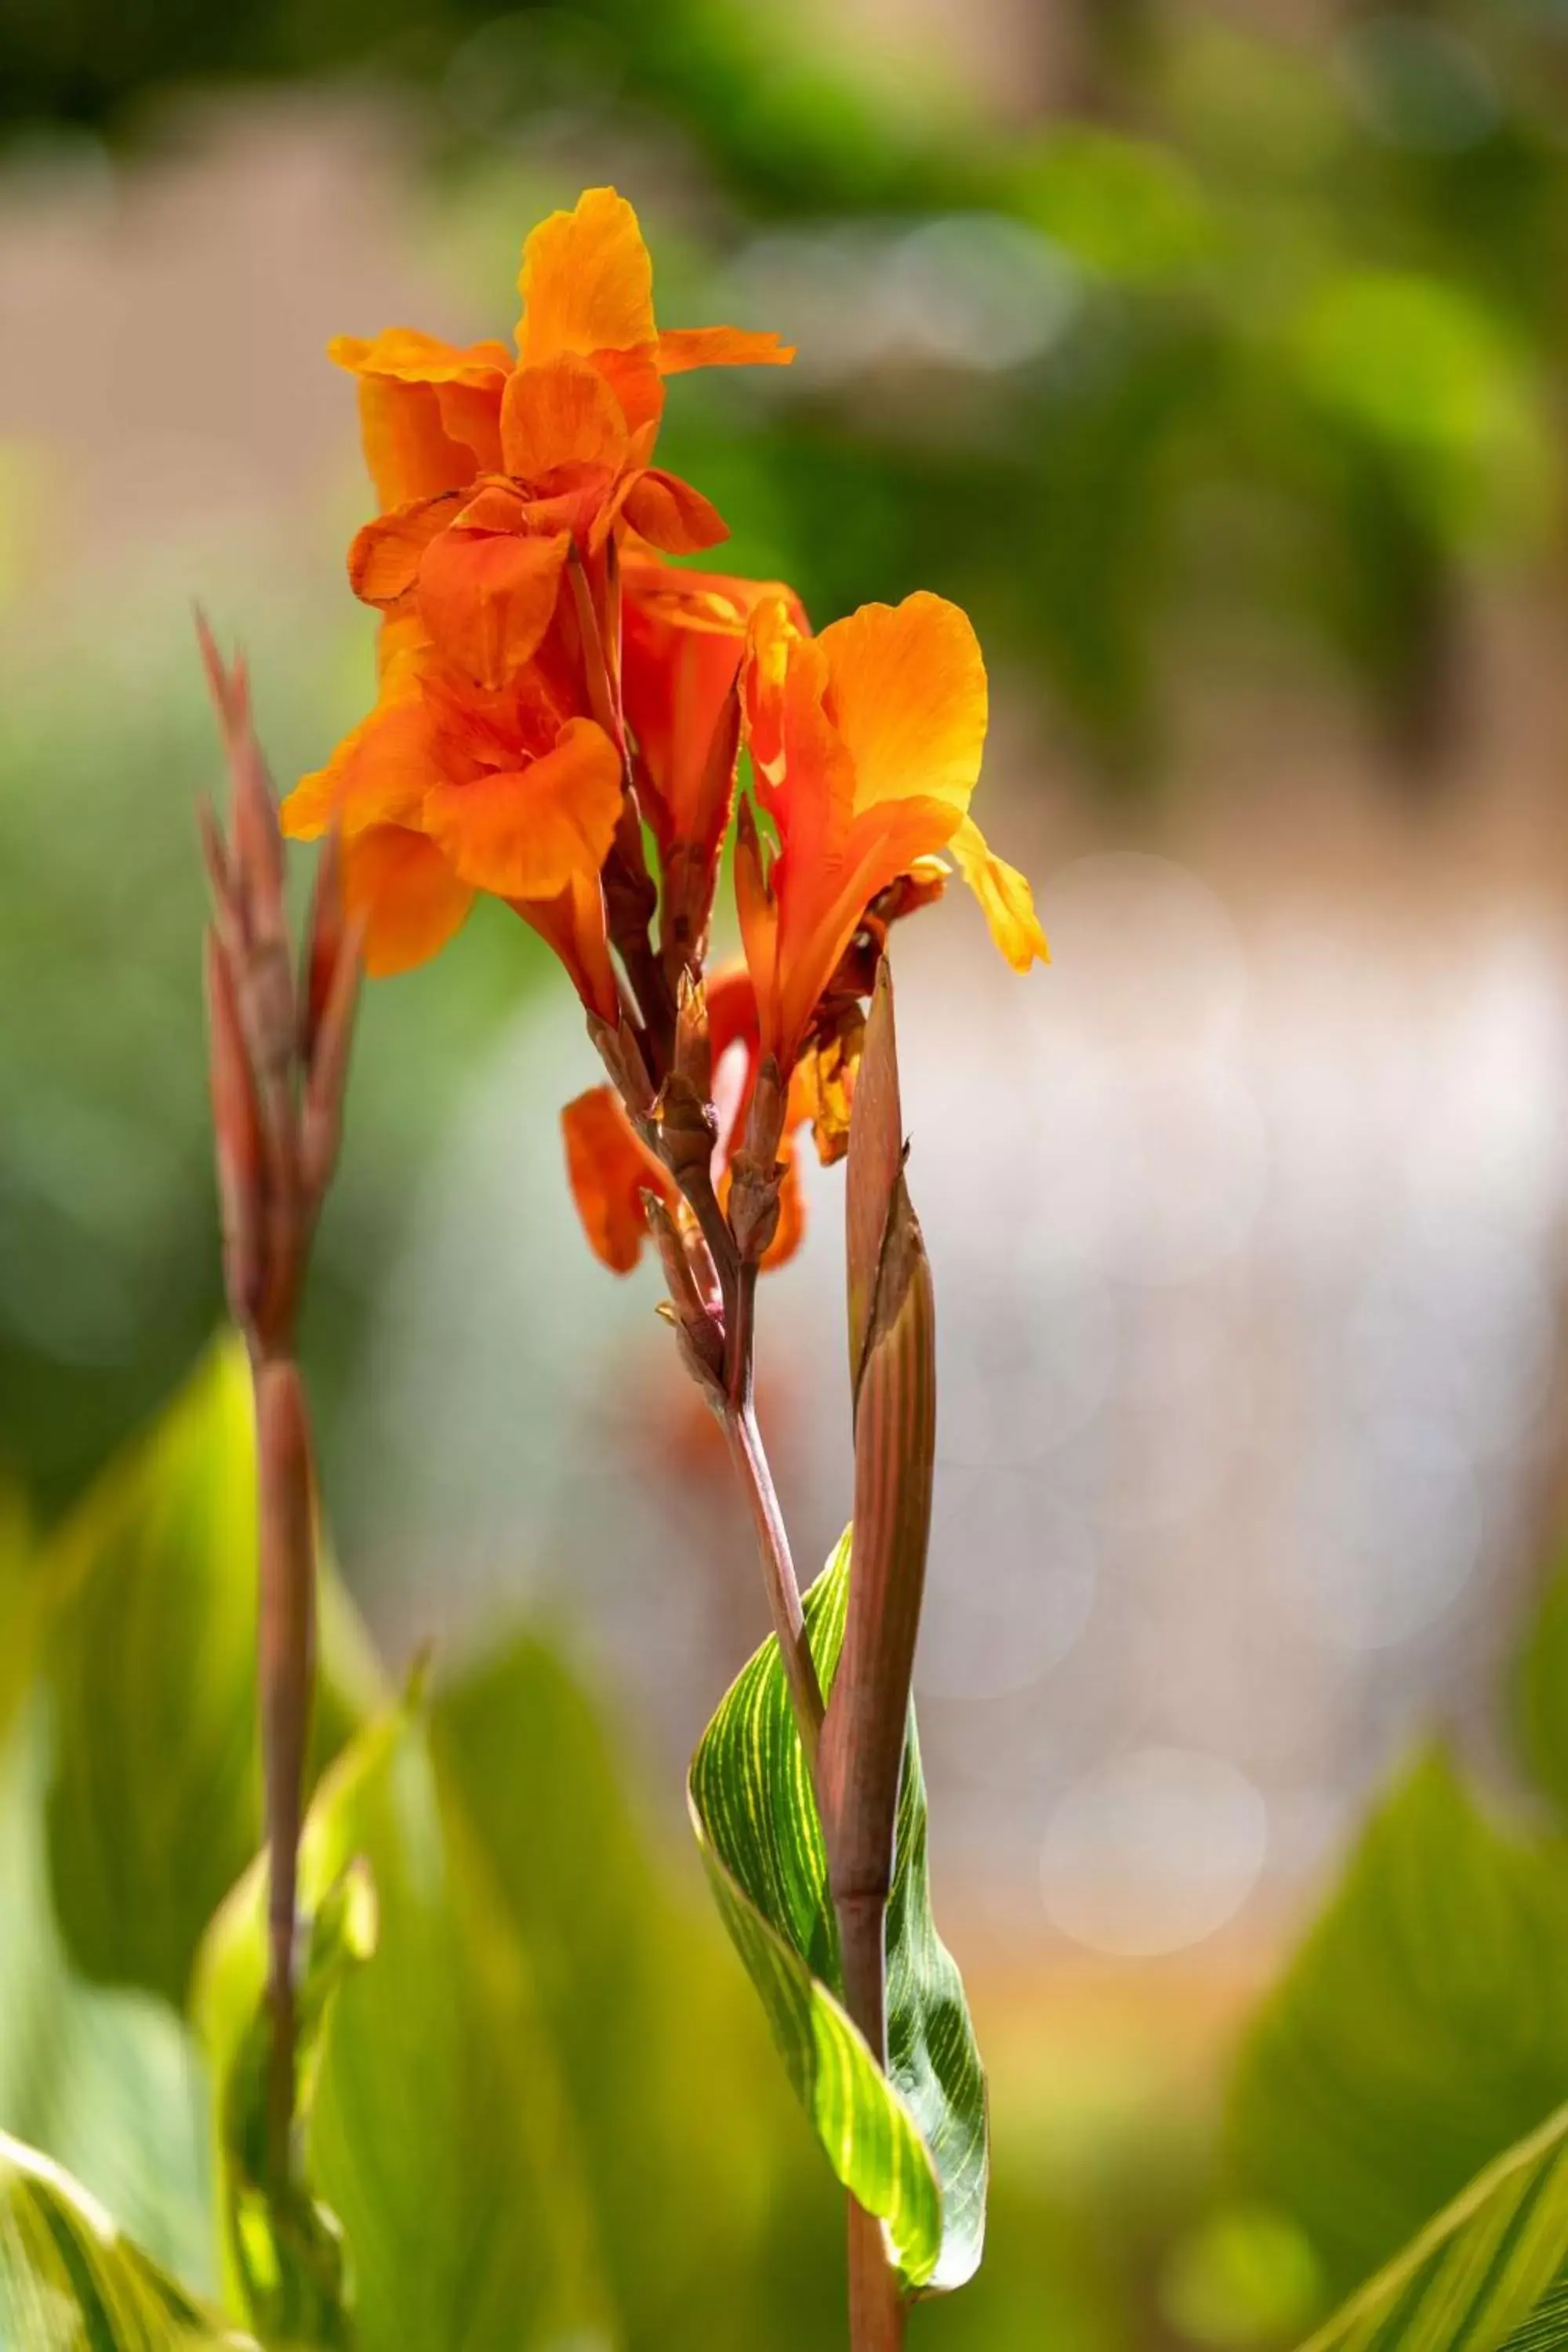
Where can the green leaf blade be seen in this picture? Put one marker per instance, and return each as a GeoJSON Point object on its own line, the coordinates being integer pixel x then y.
{"type": "Point", "coordinates": [1490, 2270]}
{"type": "Point", "coordinates": [70, 2283]}
{"type": "Point", "coordinates": [1421, 2029]}
{"type": "Point", "coordinates": [154, 1804]}
{"type": "Point", "coordinates": [437, 2134]}
{"type": "Point", "coordinates": [911, 2146]}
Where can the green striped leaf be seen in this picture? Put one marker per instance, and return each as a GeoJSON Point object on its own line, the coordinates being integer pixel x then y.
{"type": "Point", "coordinates": [70, 2283]}
{"type": "Point", "coordinates": [911, 2146]}
{"type": "Point", "coordinates": [438, 2134]}
{"type": "Point", "coordinates": [154, 1805]}
{"type": "Point", "coordinates": [688, 2149]}
{"type": "Point", "coordinates": [1491, 2271]}
{"type": "Point", "coordinates": [1421, 2029]}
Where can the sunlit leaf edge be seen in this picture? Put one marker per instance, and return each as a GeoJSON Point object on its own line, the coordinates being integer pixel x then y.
{"type": "Point", "coordinates": [866, 2122]}
{"type": "Point", "coordinates": [70, 2282]}
{"type": "Point", "coordinates": [1491, 2271]}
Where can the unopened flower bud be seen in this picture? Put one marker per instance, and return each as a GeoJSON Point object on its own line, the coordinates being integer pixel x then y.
{"type": "Point", "coordinates": [693, 1055]}
{"type": "Point", "coordinates": [697, 1330]}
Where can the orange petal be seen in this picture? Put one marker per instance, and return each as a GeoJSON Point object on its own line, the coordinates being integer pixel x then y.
{"type": "Point", "coordinates": [407, 450]}
{"type": "Point", "coordinates": [610, 1168]}
{"type": "Point", "coordinates": [636, 381]}
{"type": "Point", "coordinates": [573, 924]}
{"type": "Point", "coordinates": [486, 599]}
{"type": "Point", "coordinates": [1006, 898]}
{"type": "Point", "coordinates": [378, 775]}
{"type": "Point", "coordinates": [759, 917]}
{"type": "Point", "coordinates": [525, 833]}
{"type": "Point", "coordinates": [790, 1231]}
{"type": "Point", "coordinates": [384, 558]}
{"type": "Point", "coordinates": [470, 413]}
{"type": "Point", "coordinates": [406, 355]}
{"type": "Point", "coordinates": [401, 643]}
{"type": "Point", "coordinates": [671, 515]}
{"type": "Point", "coordinates": [409, 901]}
{"type": "Point", "coordinates": [560, 412]}
{"type": "Point", "coordinates": [907, 691]}
{"type": "Point", "coordinates": [427, 409]}
{"type": "Point", "coordinates": [586, 281]}
{"type": "Point", "coordinates": [681, 348]}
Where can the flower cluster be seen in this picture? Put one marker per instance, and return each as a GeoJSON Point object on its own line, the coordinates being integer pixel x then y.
{"type": "Point", "coordinates": [555, 694]}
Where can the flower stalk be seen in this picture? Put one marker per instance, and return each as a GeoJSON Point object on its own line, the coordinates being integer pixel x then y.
{"type": "Point", "coordinates": [278, 1065]}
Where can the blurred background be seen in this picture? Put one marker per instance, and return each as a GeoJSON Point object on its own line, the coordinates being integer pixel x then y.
{"type": "Point", "coordinates": [1215, 358]}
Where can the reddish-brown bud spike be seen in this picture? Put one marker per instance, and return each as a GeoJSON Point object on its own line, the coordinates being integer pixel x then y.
{"type": "Point", "coordinates": [321, 1113]}
{"type": "Point", "coordinates": [237, 1133]}
{"type": "Point", "coordinates": [217, 676]}
{"type": "Point", "coordinates": [876, 1156]}
{"type": "Point", "coordinates": [323, 942]}
{"type": "Point", "coordinates": [228, 913]}
{"type": "Point", "coordinates": [257, 836]}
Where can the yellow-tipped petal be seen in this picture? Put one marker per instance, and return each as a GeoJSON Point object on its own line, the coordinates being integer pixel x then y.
{"type": "Point", "coordinates": [907, 693]}
{"type": "Point", "coordinates": [1006, 898]}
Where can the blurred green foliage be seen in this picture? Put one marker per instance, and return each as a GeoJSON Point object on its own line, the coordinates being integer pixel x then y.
{"type": "Point", "coordinates": [545, 2102]}
{"type": "Point", "coordinates": [1421, 2029]}
{"type": "Point", "coordinates": [540, 2099]}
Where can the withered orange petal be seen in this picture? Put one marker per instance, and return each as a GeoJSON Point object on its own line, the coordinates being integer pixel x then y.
{"type": "Point", "coordinates": [560, 413]}
{"type": "Point", "coordinates": [671, 515]}
{"type": "Point", "coordinates": [527, 832]}
{"type": "Point", "coordinates": [681, 348]}
{"type": "Point", "coordinates": [379, 775]}
{"type": "Point", "coordinates": [907, 689]}
{"type": "Point", "coordinates": [1006, 898]}
{"type": "Point", "coordinates": [486, 599]}
{"type": "Point", "coordinates": [397, 885]}
{"type": "Point", "coordinates": [384, 558]}
{"type": "Point", "coordinates": [586, 281]}
{"type": "Point", "coordinates": [609, 1169]}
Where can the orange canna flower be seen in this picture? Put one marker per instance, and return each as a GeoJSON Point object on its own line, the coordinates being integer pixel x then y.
{"type": "Point", "coordinates": [866, 746]}
{"type": "Point", "coordinates": [490, 471]}
{"type": "Point", "coordinates": [445, 790]}
{"type": "Point", "coordinates": [684, 634]}
{"type": "Point", "coordinates": [610, 1168]}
